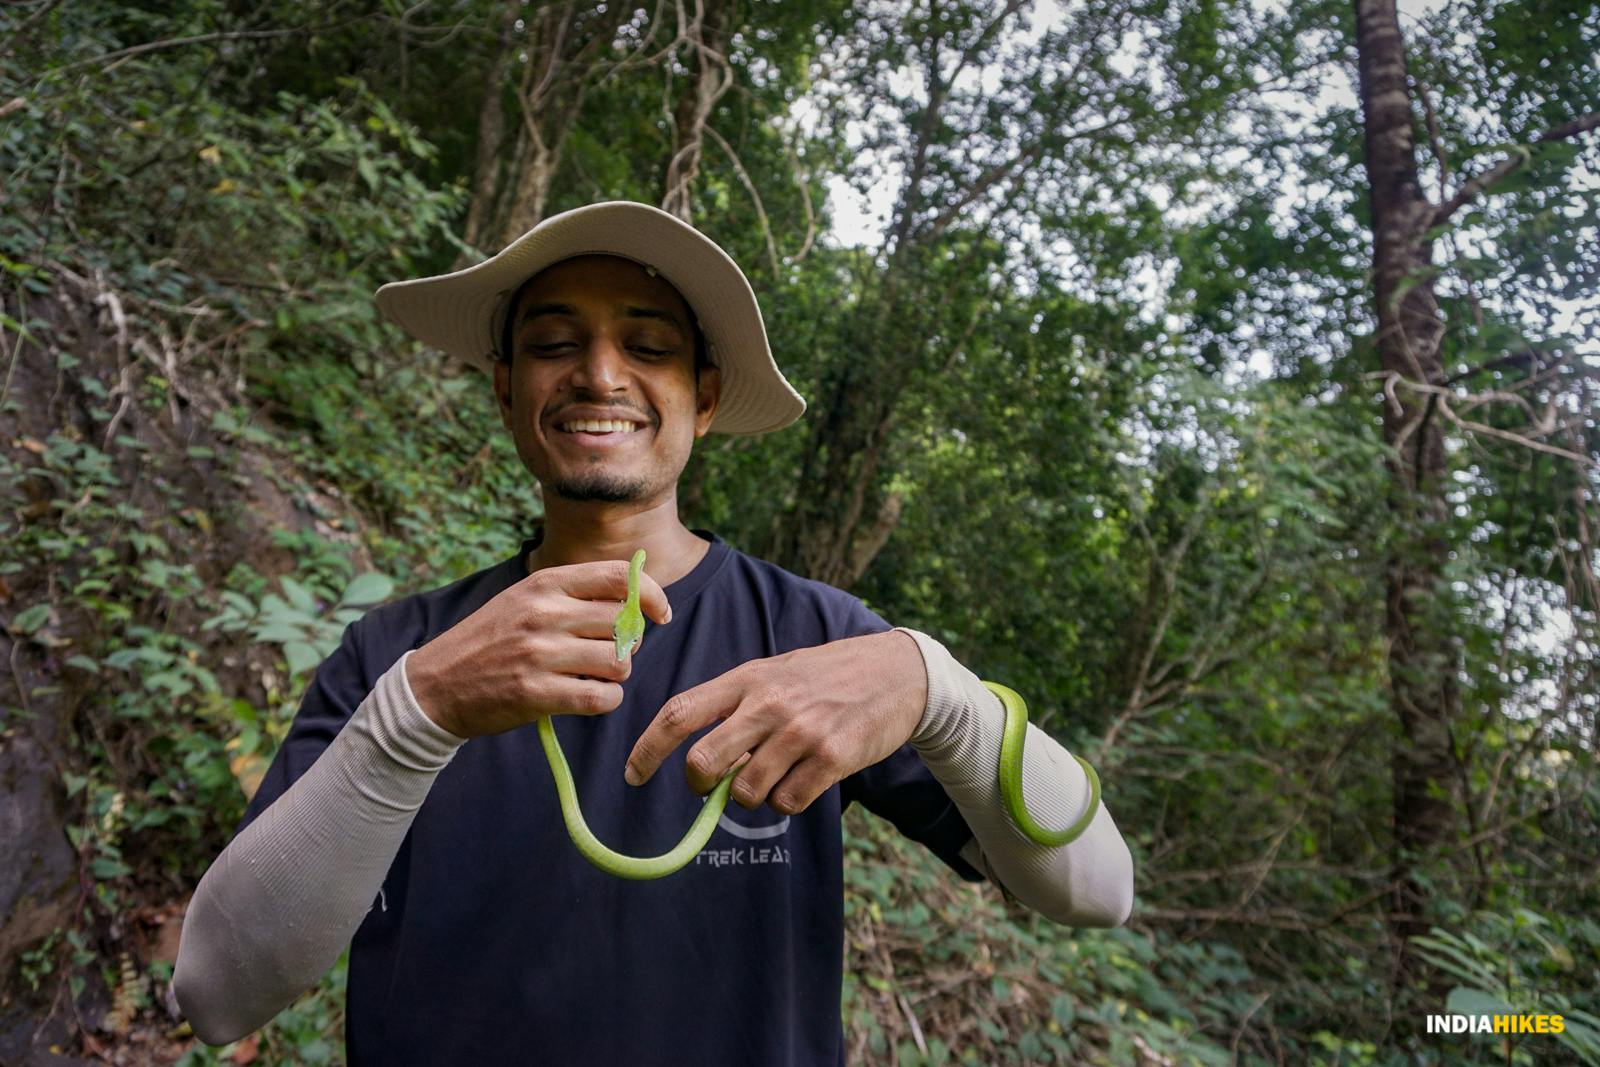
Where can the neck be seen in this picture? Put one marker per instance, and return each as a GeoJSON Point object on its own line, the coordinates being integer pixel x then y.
{"type": "Point", "coordinates": [587, 533]}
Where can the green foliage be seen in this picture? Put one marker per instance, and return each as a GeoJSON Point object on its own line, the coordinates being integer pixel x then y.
{"type": "Point", "coordinates": [142, 177]}
{"type": "Point", "coordinates": [1517, 964]}
{"type": "Point", "coordinates": [412, 448]}
{"type": "Point", "coordinates": [301, 621]}
{"type": "Point", "coordinates": [38, 962]}
{"type": "Point", "coordinates": [151, 677]}
{"type": "Point", "coordinates": [1180, 566]}
{"type": "Point", "coordinates": [1024, 990]}
{"type": "Point", "coordinates": [308, 1033]}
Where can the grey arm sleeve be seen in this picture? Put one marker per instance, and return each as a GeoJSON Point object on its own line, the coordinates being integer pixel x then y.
{"type": "Point", "coordinates": [280, 903]}
{"type": "Point", "coordinates": [1086, 882]}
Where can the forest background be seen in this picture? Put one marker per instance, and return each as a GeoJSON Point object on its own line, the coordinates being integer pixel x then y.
{"type": "Point", "coordinates": [1219, 375]}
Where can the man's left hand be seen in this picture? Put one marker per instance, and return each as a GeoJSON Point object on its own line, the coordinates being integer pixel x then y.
{"type": "Point", "coordinates": [807, 719]}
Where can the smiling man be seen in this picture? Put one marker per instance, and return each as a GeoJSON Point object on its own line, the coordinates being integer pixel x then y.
{"type": "Point", "coordinates": [410, 815]}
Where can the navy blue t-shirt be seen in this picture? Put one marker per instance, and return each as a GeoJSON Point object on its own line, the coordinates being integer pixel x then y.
{"type": "Point", "coordinates": [493, 941]}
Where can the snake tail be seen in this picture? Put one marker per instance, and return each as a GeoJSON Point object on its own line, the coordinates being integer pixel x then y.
{"type": "Point", "coordinates": [1011, 742]}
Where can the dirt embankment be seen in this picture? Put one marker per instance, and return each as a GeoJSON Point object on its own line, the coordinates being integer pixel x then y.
{"type": "Point", "coordinates": [135, 386]}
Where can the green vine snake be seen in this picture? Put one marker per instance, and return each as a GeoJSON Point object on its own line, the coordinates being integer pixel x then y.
{"type": "Point", "coordinates": [628, 630]}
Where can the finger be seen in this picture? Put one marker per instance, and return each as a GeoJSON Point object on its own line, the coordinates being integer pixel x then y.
{"type": "Point", "coordinates": [578, 657]}
{"type": "Point", "coordinates": [598, 660]}
{"type": "Point", "coordinates": [607, 580]}
{"type": "Point", "coordinates": [592, 619]}
{"type": "Point", "coordinates": [748, 730]}
{"type": "Point", "coordinates": [799, 789]}
{"type": "Point", "coordinates": [582, 695]}
{"type": "Point", "coordinates": [588, 619]}
{"type": "Point", "coordinates": [742, 762]}
{"type": "Point", "coordinates": [771, 763]}
{"type": "Point", "coordinates": [681, 716]}
{"type": "Point", "coordinates": [755, 781]}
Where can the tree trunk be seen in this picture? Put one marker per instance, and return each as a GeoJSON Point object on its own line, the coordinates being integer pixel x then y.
{"type": "Point", "coordinates": [486, 181]}
{"type": "Point", "coordinates": [537, 161]}
{"type": "Point", "coordinates": [828, 535]}
{"type": "Point", "coordinates": [871, 539]}
{"type": "Point", "coordinates": [1422, 657]}
{"type": "Point", "coordinates": [857, 396]}
{"type": "Point", "coordinates": [708, 39]}
{"type": "Point", "coordinates": [548, 96]}
{"type": "Point", "coordinates": [562, 53]}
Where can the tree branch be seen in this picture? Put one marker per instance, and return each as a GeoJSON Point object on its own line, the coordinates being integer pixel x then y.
{"type": "Point", "coordinates": [27, 24]}
{"type": "Point", "coordinates": [755, 198]}
{"type": "Point", "coordinates": [112, 58]}
{"type": "Point", "coordinates": [1476, 187]}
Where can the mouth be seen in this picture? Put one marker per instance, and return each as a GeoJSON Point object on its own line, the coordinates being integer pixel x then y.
{"type": "Point", "coordinates": [599, 433]}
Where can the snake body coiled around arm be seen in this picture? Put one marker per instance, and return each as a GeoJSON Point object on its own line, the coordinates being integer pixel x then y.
{"type": "Point", "coordinates": [628, 630]}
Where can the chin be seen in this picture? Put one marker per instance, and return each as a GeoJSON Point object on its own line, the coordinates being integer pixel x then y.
{"type": "Point", "coordinates": [599, 488]}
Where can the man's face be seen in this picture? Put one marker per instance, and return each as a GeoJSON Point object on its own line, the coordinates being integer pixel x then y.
{"type": "Point", "coordinates": [598, 336]}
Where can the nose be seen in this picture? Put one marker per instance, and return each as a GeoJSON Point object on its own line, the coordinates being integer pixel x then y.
{"type": "Point", "coordinates": [602, 366]}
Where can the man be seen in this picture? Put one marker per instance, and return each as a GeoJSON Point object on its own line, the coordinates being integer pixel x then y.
{"type": "Point", "coordinates": [409, 811]}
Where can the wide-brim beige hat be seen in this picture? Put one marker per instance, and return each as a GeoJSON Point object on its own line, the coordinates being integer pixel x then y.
{"type": "Point", "coordinates": [462, 313]}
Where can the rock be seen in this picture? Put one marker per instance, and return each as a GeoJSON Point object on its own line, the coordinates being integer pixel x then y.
{"type": "Point", "coordinates": [38, 880]}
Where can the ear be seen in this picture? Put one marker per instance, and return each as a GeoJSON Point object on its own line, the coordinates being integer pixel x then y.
{"type": "Point", "coordinates": [706, 399]}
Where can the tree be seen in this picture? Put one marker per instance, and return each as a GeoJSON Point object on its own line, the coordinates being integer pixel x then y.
{"type": "Point", "coordinates": [994, 152]}
{"type": "Point", "coordinates": [1424, 661]}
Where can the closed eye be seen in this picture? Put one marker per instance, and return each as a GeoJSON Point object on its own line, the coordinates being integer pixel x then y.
{"type": "Point", "coordinates": [558, 346]}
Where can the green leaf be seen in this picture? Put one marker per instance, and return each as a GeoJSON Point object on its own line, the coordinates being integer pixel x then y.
{"type": "Point", "coordinates": [241, 603]}
{"type": "Point", "coordinates": [1583, 1040]}
{"type": "Point", "coordinates": [301, 656]}
{"type": "Point", "coordinates": [1452, 960]}
{"type": "Point", "coordinates": [31, 619]}
{"type": "Point", "coordinates": [151, 817]}
{"type": "Point", "coordinates": [280, 632]}
{"type": "Point", "coordinates": [105, 868]}
{"type": "Point", "coordinates": [1464, 1000]}
{"type": "Point", "coordinates": [299, 595]}
{"type": "Point", "coordinates": [1585, 1017]}
{"type": "Point", "coordinates": [369, 588]}
{"type": "Point", "coordinates": [273, 604]}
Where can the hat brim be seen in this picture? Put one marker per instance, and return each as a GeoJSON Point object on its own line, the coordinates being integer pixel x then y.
{"type": "Point", "coordinates": [461, 313]}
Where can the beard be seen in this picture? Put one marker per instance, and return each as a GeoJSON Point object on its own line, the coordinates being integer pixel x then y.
{"type": "Point", "coordinates": [599, 485]}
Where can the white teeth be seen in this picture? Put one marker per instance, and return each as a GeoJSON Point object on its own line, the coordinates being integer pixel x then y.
{"type": "Point", "coordinates": [599, 426]}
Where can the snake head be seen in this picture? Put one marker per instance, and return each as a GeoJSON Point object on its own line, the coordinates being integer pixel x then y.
{"type": "Point", "coordinates": [628, 630]}
{"type": "Point", "coordinates": [628, 627]}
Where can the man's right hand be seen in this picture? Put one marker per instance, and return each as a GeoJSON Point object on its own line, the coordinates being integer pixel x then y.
{"type": "Point", "coordinates": [542, 647]}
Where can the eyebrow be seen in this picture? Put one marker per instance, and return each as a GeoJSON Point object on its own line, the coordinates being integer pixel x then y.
{"type": "Point", "coordinates": [537, 310]}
